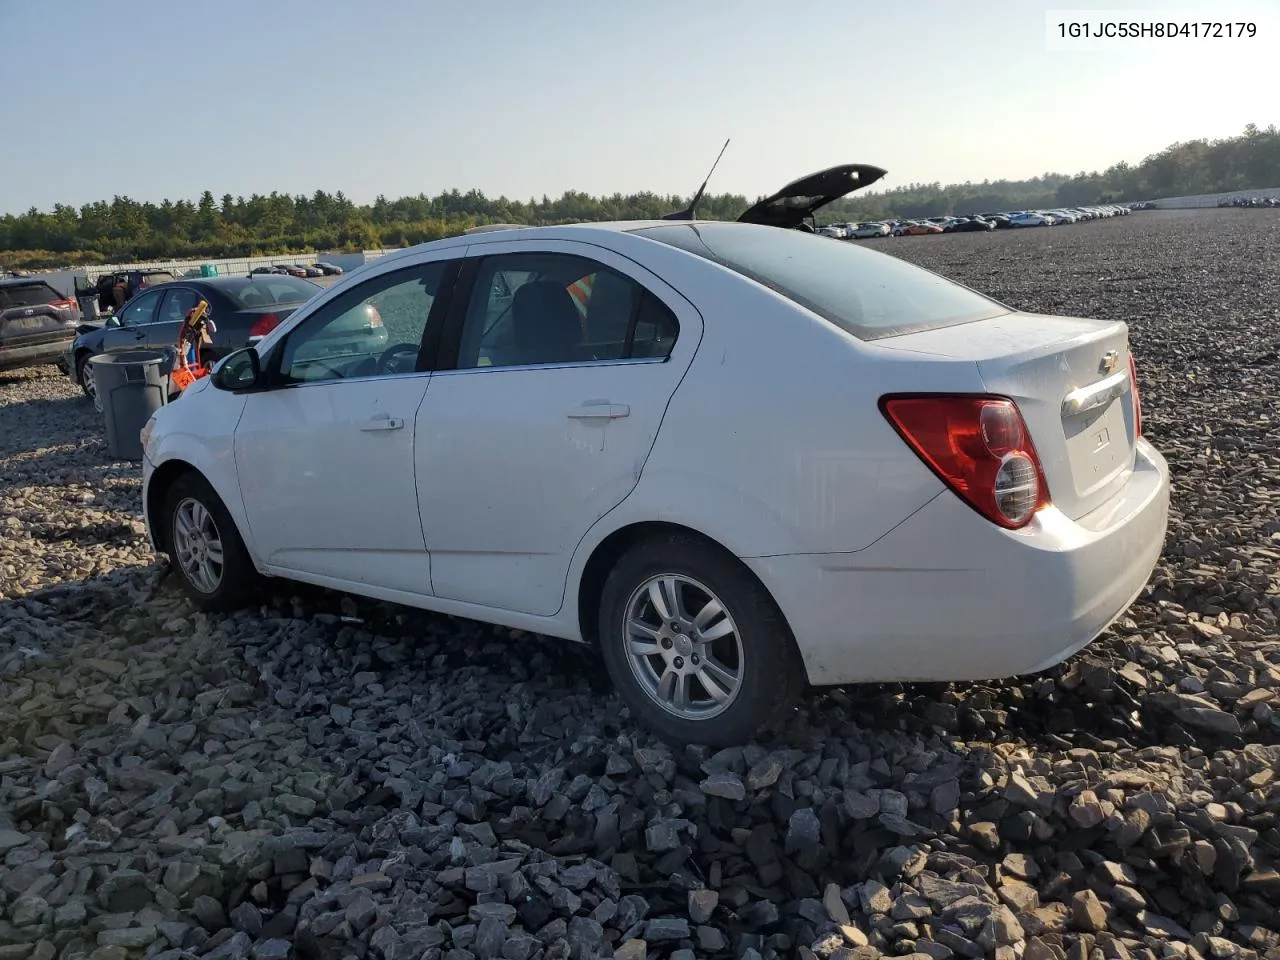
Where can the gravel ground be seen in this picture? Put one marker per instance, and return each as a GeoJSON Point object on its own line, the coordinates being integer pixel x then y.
{"type": "Point", "coordinates": [325, 779]}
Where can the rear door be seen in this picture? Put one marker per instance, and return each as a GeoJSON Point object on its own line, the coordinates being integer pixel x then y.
{"type": "Point", "coordinates": [566, 357]}
{"type": "Point", "coordinates": [33, 313]}
{"type": "Point", "coordinates": [135, 319]}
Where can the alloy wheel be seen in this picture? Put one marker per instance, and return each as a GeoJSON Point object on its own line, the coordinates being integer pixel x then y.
{"type": "Point", "coordinates": [683, 646]}
{"type": "Point", "coordinates": [198, 545]}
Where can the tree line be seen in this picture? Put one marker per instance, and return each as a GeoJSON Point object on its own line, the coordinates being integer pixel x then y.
{"type": "Point", "coordinates": [124, 229]}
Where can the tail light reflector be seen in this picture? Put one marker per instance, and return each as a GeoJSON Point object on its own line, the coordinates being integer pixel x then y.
{"type": "Point", "coordinates": [264, 325]}
{"type": "Point", "coordinates": [63, 304]}
{"type": "Point", "coordinates": [980, 447]}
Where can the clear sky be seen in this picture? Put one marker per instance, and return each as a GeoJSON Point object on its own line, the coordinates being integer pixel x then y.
{"type": "Point", "coordinates": [166, 98]}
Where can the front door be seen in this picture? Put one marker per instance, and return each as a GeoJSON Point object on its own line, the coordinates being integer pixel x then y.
{"type": "Point", "coordinates": [566, 358]}
{"type": "Point", "coordinates": [326, 455]}
{"type": "Point", "coordinates": [135, 320]}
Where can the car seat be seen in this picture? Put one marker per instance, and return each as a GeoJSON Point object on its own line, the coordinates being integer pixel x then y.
{"type": "Point", "coordinates": [545, 323]}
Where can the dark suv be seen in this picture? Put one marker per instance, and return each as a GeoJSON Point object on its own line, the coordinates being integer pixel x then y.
{"type": "Point", "coordinates": [37, 323]}
{"type": "Point", "coordinates": [134, 282]}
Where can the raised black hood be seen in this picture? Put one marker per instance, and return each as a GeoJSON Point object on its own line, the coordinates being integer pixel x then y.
{"type": "Point", "coordinates": [798, 200]}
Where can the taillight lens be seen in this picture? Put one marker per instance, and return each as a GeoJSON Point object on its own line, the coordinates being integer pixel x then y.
{"type": "Point", "coordinates": [374, 317]}
{"type": "Point", "coordinates": [1137, 401]}
{"type": "Point", "coordinates": [980, 447]}
{"type": "Point", "coordinates": [264, 325]}
{"type": "Point", "coordinates": [63, 304]}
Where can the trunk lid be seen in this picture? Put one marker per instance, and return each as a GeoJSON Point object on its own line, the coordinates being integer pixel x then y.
{"type": "Point", "coordinates": [1069, 377]}
{"type": "Point", "coordinates": [798, 200]}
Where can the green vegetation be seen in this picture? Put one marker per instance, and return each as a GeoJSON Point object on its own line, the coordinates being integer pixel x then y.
{"type": "Point", "coordinates": [124, 229]}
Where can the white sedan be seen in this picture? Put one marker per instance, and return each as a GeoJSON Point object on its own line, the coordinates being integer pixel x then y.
{"type": "Point", "coordinates": [733, 457]}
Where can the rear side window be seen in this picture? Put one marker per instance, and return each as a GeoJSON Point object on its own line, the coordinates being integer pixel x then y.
{"type": "Point", "coordinates": [28, 295]}
{"type": "Point", "coordinates": [868, 294]}
{"type": "Point", "coordinates": [540, 308]}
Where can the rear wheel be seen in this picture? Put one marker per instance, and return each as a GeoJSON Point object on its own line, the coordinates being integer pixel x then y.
{"type": "Point", "coordinates": [694, 644]}
{"type": "Point", "coordinates": [204, 547]}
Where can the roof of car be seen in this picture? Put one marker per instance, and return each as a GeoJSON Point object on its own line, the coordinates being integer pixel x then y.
{"type": "Point", "coordinates": [21, 281]}
{"type": "Point", "coordinates": [560, 231]}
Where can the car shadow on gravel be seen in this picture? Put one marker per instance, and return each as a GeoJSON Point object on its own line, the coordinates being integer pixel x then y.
{"type": "Point", "coordinates": [1085, 702]}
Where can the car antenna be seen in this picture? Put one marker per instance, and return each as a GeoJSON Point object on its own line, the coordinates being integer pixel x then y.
{"type": "Point", "coordinates": [687, 213]}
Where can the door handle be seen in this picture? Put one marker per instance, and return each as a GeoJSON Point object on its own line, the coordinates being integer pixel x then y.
{"type": "Point", "coordinates": [383, 423]}
{"type": "Point", "coordinates": [140, 335]}
{"type": "Point", "coordinates": [600, 411]}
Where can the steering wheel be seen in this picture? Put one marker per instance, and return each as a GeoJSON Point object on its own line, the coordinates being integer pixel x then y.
{"type": "Point", "coordinates": [385, 361]}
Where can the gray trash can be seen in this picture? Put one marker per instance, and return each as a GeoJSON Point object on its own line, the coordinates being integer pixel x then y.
{"type": "Point", "coordinates": [133, 385]}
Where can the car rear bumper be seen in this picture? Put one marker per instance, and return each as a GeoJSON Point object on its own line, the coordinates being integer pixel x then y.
{"type": "Point", "coordinates": [947, 595]}
{"type": "Point", "coordinates": [16, 357]}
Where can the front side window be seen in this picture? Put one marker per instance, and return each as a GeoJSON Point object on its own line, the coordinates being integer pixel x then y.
{"type": "Point", "coordinates": [141, 312]}
{"type": "Point", "coordinates": [541, 308]}
{"type": "Point", "coordinates": [374, 329]}
{"type": "Point", "coordinates": [864, 292]}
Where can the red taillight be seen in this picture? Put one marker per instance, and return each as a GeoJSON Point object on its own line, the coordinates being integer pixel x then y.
{"type": "Point", "coordinates": [978, 446]}
{"type": "Point", "coordinates": [1137, 401]}
{"type": "Point", "coordinates": [264, 325]}
{"type": "Point", "coordinates": [375, 318]}
{"type": "Point", "coordinates": [63, 304]}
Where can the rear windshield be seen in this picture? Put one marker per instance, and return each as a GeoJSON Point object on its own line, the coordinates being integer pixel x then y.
{"type": "Point", "coordinates": [866, 293]}
{"type": "Point", "coordinates": [269, 290]}
{"type": "Point", "coordinates": [27, 295]}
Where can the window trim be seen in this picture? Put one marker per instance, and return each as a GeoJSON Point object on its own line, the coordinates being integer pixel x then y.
{"type": "Point", "coordinates": [465, 288]}
{"type": "Point", "coordinates": [428, 345]}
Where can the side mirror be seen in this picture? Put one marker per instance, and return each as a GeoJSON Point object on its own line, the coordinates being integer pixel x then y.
{"type": "Point", "coordinates": [241, 370]}
{"type": "Point", "coordinates": [112, 321]}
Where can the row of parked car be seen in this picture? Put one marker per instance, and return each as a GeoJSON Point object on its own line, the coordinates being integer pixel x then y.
{"type": "Point", "coordinates": [304, 270]}
{"type": "Point", "coordinates": [1272, 202]}
{"type": "Point", "coordinates": [974, 222]}
{"type": "Point", "coordinates": [138, 309]}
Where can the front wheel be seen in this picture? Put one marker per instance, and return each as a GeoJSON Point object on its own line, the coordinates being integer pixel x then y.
{"type": "Point", "coordinates": [84, 373]}
{"type": "Point", "coordinates": [204, 547]}
{"type": "Point", "coordinates": [695, 645]}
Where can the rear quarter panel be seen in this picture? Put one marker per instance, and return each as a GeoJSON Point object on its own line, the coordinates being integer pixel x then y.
{"type": "Point", "coordinates": [774, 443]}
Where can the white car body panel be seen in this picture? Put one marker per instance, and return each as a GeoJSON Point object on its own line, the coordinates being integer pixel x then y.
{"type": "Point", "coordinates": [772, 445]}
{"type": "Point", "coordinates": [202, 440]}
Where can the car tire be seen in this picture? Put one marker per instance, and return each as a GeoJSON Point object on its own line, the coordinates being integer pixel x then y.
{"type": "Point", "coordinates": [199, 530]}
{"type": "Point", "coordinates": [84, 376]}
{"type": "Point", "coordinates": [750, 659]}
